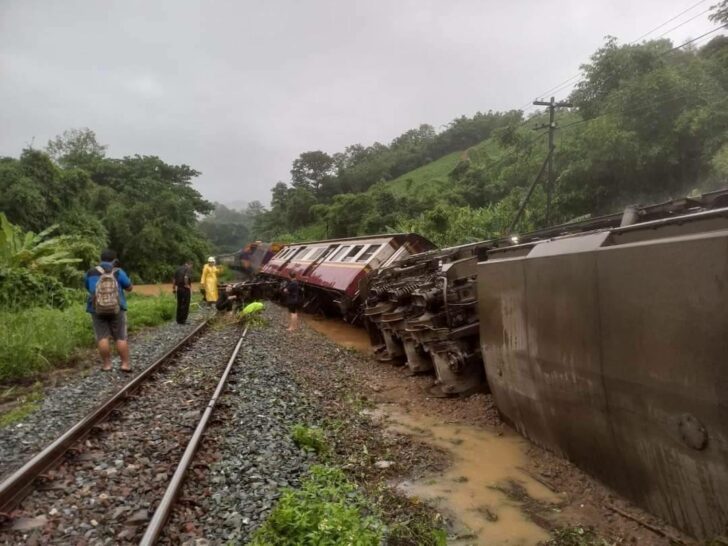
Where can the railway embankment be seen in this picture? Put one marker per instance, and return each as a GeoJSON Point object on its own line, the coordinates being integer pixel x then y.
{"type": "Point", "coordinates": [308, 435]}
{"type": "Point", "coordinates": [455, 455]}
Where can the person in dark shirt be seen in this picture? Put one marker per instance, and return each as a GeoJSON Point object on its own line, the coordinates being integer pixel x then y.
{"type": "Point", "coordinates": [182, 287]}
{"type": "Point", "coordinates": [227, 300]}
{"type": "Point", "coordinates": [292, 292]}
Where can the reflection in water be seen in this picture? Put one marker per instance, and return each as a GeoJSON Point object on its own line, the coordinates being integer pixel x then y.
{"type": "Point", "coordinates": [485, 465]}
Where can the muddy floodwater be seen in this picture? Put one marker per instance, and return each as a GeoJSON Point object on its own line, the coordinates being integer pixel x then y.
{"type": "Point", "coordinates": [486, 492]}
{"type": "Point", "coordinates": [157, 289]}
{"type": "Point", "coordinates": [340, 332]}
{"type": "Point", "coordinates": [485, 489]}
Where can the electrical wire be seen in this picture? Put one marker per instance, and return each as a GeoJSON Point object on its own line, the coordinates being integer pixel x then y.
{"type": "Point", "coordinates": [684, 23]}
{"type": "Point", "coordinates": [670, 21]}
{"type": "Point", "coordinates": [567, 82]}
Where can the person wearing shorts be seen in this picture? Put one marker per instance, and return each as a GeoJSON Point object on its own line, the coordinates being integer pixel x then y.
{"type": "Point", "coordinates": [108, 327]}
{"type": "Point", "coordinates": [292, 292]}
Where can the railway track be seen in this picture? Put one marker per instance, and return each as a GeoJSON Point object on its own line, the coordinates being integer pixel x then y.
{"type": "Point", "coordinates": [113, 477]}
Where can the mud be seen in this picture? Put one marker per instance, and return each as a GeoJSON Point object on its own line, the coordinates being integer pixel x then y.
{"type": "Point", "coordinates": [157, 289]}
{"type": "Point", "coordinates": [527, 489]}
{"type": "Point", "coordinates": [341, 333]}
{"type": "Point", "coordinates": [485, 487]}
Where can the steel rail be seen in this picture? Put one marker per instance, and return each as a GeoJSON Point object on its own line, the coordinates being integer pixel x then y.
{"type": "Point", "coordinates": [156, 525]}
{"type": "Point", "coordinates": [19, 484]}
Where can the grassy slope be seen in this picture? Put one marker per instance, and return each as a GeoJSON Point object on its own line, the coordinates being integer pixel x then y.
{"type": "Point", "coordinates": [430, 178]}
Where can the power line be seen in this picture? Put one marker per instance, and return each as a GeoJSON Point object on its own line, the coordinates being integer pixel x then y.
{"type": "Point", "coordinates": [568, 81]}
{"type": "Point", "coordinates": [695, 39]}
{"type": "Point", "coordinates": [632, 111]}
{"type": "Point", "coordinates": [669, 21]}
{"type": "Point", "coordinates": [684, 22]}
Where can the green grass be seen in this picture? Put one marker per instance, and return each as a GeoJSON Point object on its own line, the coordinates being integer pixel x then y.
{"type": "Point", "coordinates": [428, 179]}
{"type": "Point", "coordinates": [310, 438]}
{"type": "Point", "coordinates": [26, 405]}
{"type": "Point", "coordinates": [328, 510]}
{"type": "Point", "coordinates": [35, 340]}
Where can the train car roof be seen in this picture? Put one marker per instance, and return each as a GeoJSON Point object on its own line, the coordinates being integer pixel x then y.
{"type": "Point", "coordinates": [360, 238]}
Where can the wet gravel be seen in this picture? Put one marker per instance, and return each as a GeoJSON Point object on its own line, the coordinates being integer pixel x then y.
{"type": "Point", "coordinates": [249, 456]}
{"type": "Point", "coordinates": [107, 492]}
{"type": "Point", "coordinates": [66, 404]}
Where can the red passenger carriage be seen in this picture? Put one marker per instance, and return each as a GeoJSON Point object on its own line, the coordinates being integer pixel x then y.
{"type": "Point", "coordinates": [334, 272]}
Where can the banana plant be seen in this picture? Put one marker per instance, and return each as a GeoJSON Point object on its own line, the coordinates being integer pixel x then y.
{"type": "Point", "coordinates": [33, 251]}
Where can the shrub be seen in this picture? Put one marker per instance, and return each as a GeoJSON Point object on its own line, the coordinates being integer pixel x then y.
{"type": "Point", "coordinates": [33, 340]}
{"type": "Point", "coordinates": [328, 510]}
{"type": "Point", "coordinates": [310, 438]}
{"type": "Point", "coordinates": [23, 288]}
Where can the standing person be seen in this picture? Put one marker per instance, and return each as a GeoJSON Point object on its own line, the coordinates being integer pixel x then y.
{"type": "Point", "coordinates": [106, 284]}
{"type": "Point", "coordinates": [293, 301]}
{"type": "Point", "coordinates": [208, 281]}
{"type": "Point", "coordinates": [182, 288]}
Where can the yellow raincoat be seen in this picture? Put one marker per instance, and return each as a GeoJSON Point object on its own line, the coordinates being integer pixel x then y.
{"type": "Point", "coordinates": [208, 281]}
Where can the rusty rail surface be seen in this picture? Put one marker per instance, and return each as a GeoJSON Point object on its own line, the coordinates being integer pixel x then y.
{"type": "Point", "coordinates": [19, 484]}
{"type": "Point", "coordinates": [165, 506]}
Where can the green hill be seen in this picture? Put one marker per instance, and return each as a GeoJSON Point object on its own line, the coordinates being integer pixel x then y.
{"type": "Point", "coordinates": [428, 179]}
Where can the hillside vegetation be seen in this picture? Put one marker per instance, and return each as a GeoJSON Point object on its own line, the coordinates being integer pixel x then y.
{"type": "Point", "coordinates": [649, 122]}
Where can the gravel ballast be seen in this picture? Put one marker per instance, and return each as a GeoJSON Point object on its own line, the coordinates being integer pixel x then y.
{"type": "Point", "coordinates": [66, 404]}
{"type": "Point", "coordinates": [249, 456]}
{"type": "Point", "coordinates": [105, 493]}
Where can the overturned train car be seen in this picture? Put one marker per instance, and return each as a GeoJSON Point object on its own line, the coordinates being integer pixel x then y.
{"type": "Point", "coordinates": [602, 340]}
{"type": "Point", "coordinates": [334, 272]}
{"type": "Point", "coordinates": [610, 347]}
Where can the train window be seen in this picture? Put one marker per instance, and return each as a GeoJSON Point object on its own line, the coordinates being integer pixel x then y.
{"type": "Point", "coordinates": [300, 253]}
{"type": "Point", "coordinates": [352, 253]}
{"type": "Point", "coordinates": [368, 253]}
{"type": "Point", "coordinates": [317, 252]}
{"type": "Point", "coordinates": [329, 251]}
{"type": "Point", "coordinates": [307, 255]}
{"type": "Point", "coordinates": [396, 256]}
{"type": "Point", "coordinates": [338, 255]}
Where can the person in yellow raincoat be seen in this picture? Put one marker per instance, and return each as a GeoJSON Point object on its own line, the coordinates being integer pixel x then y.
{"type": "Point", "coordinates": [208, 281]}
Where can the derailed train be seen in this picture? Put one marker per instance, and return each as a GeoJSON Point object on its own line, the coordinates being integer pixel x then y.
{"type": "Point", "coordinates": [602, 340]}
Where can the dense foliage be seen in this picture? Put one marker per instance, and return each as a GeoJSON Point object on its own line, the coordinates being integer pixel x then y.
{"type": "Point", "coordinates": [228, 229]}
{"type": "Point", "coordinates": [141, 206]}
{"type": "Point", "coordinates": [33, 267]}
{"type": "Point", "coordinates": [650, 121]}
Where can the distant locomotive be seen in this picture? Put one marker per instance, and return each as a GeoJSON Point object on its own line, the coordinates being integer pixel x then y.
{"type": "Point", "coordinates": [251, 258]}
{"type": "Point", "coordinates": [334, 273]}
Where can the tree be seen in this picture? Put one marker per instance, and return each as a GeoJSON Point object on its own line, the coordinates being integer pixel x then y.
{"type": "Point", "coordinates": [720, 12]}
{"type": "Point", "coordinates": [76, 148]}
{"type": "Point", "coordinates": [311, 170]}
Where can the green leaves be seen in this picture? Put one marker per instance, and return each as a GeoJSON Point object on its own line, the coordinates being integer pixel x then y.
{"type": "Point", "coordinates": [31, 251]}
{"type": "Point", "coordinates": [327, 510]}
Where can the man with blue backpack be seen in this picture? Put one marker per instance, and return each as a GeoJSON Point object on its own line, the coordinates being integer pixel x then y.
{"type": "Point", "coordinates": [106, 284]}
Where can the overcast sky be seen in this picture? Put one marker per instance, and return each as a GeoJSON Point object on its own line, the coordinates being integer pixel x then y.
{"type": "Point", "coordinates": [238, 89]}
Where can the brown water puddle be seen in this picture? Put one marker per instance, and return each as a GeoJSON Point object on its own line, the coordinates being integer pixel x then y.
{"type": "Point", "coordinates": [341, 333]}
{"type": "Point", "coordinates": [486, 489]}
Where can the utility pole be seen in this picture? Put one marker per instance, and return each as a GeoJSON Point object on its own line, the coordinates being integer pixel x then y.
{"type": "Point", "coordinates": [552, 105]}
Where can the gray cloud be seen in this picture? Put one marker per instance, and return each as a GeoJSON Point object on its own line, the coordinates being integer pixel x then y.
{"type": "Point", "coordinates": [238, 89]}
